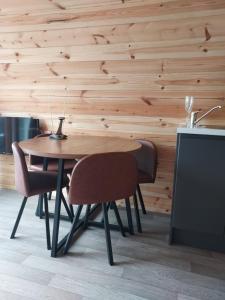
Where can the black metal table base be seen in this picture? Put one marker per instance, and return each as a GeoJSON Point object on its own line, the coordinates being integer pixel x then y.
{"type": "Point", "coordinates": [111, 226]}
{"type": "Point", "coordinates": [92, 214]}
{"type": "Point", "coordinates": [94, 211]}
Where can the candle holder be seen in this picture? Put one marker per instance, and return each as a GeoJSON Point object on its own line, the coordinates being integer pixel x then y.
{"type": "Point", "coordinates": [59, 135]}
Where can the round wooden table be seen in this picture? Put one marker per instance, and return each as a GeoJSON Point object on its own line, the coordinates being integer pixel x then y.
{"type": "Point", "coordinates": [77, 146]}
{"type": "Point", "coordinates": [74, 147]}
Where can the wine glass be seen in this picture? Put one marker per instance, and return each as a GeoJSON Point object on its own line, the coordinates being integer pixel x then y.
{"type": "Point", "coordinates": [189, 101]}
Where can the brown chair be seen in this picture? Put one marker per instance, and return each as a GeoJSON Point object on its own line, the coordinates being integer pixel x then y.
{"type": "Point", "coordinates": [146, 158]}
{"type": "Point", "coordinates": [102, 178]}
{"type": "Point", "coordinates": [37, 163]}
{"type": "Point", "coordinates": [31, 183]}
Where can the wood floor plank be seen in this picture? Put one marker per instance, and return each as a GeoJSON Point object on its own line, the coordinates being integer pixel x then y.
{"type": "Point", "coordinates": [33, 290]}
{"type": "Point", "coordinates": [92, 291]}
{"type": "Point", "coordinates": [11, 296]}
{"type": "Point", "coordinates": [187, 283]}
{"type": "Point", "coordinates": [184, 297]}
{"type": "Point", "coordinates": [25, 272]}
{"type": "Point", "coordinates": [215, 270]}
{"type": "Point", "coordinates": [12, 255]}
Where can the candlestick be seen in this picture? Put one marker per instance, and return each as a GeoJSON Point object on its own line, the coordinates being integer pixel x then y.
{"type": "Point", "coordinates": [59, 135]}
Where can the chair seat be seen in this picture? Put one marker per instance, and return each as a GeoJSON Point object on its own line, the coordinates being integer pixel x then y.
{"type": "Point", "coordinates": [144, 177]}
{"type": "Point", "coordinates": [43, 182]}
{"type": "Point", "coordinates": [53, 165]}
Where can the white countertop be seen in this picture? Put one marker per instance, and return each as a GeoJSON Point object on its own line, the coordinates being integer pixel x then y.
{"type": "Point", "coordinates": [201, 130]}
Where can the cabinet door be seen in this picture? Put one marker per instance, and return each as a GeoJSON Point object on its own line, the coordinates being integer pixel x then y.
{"type": "Point", "coordinates": [199, 188]}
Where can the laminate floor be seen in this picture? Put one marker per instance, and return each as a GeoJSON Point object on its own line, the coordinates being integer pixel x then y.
{"type": "Point", "coordinates": [146, 266]}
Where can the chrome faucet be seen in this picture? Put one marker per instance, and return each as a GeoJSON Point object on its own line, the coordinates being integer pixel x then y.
{"type": "Point", "coordinates": [194, 121]}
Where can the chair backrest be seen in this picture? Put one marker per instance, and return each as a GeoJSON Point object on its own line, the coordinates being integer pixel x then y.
{"type": "Point", "coordinates": [103, 178]}
{"type": "Point", "coordinates": [21, 172]}
{"type": "Point", "coordinates": [146, 158]}
{"type": "Point", "coordinates": [33, 159]}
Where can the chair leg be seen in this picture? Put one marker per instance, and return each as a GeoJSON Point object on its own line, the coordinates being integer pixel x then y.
{"type": "Point", "coordinates": [39, 210]}
{"type": "Point", "coordinates": [70, 205]}
{"type": "Point", "coordinates": [107, 234]}
{"type": "Point", "coordinates": [67, 208]}
{"type": "Point", "coordinates": [47, 227]}
{"type": "Point", "coordinates": [136, 209]}
{"type": "Point", "coordinates": [18, 218]}
{"type": "Point", "coordinates": [119, 221]}
{"type": "Point", "coordinates": [86, 216]}
{"type": "Point", "coordinates": [67, 189]}
{"type": "Point", "coordinates": [129, 216]}
{"type": "Point", "coordinates": [49, 195]}
{"type": "Point", "coordinates": [71, 210]}
{"type": "Point", "coordinates": [70, 235]}
{"type": "Point", "coordinates": [107, 207]}
{"type": "Point", "coordinates": [141, 200]}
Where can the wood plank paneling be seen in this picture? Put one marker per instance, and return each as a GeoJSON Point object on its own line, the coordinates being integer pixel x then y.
{"type": "Point", "coordinates": [117, 68]}
{"type": "Point", "coordinates": [124, 33]}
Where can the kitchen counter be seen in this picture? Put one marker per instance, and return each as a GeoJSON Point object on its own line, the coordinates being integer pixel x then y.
{"type": "Point", "coordinates": [202, 130]}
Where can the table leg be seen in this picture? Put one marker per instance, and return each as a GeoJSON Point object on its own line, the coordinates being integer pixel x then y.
{"type": "Point", "coordinates": [57, 208]}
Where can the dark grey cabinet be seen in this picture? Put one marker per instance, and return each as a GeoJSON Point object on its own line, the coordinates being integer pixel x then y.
{"type": "Point", "coordinates": [198, 211]}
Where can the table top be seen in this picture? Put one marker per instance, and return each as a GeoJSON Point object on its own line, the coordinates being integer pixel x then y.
{"type": "Point", "coordinates": [77, 146]}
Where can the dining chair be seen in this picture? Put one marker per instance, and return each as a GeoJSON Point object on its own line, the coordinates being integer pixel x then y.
{"type": "Point", "coordinates": [147, 161]}
{"type": "Point", "coordinates": [31, 183]}
{"type": "Point", "coordinates": [37, 163]}
{"type": "Point", "coordinates": [102, 179]}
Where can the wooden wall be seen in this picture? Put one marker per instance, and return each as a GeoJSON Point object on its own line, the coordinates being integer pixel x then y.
{"type": "Point", "coordinates": [113, 67]}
